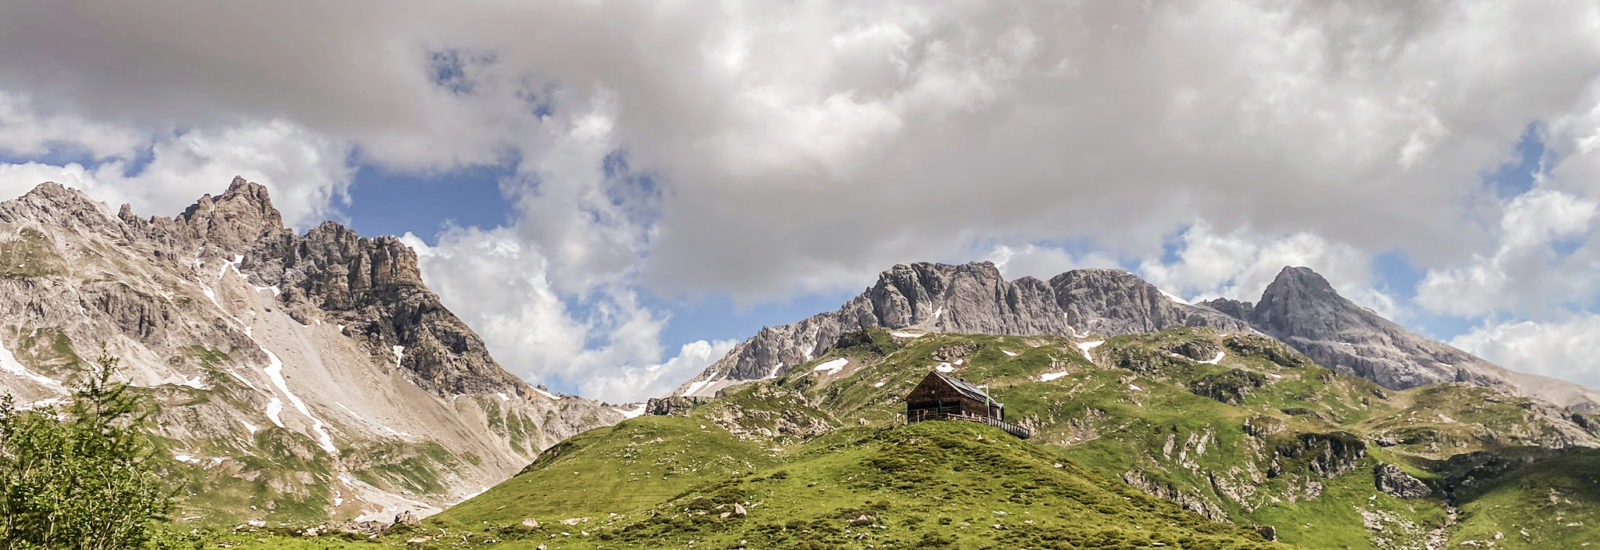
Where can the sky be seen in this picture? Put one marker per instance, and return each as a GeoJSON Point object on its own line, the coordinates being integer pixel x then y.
{"type": "Point", "coordinates": [614, 193]}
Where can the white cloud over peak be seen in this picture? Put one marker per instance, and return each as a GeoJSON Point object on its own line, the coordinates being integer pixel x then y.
{"type": "Point", "coordinates": [1043, 262]}
{"type": "Point", "coordinates": [763, 151]}
{"type": "Point", "coordinates": [1240, 264]}
{"type": "Point", "coordinates": [305, 172]}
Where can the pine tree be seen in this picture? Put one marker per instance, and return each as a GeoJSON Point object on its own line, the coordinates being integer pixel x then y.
{"type": "Point", "coordinates": [79, 477]}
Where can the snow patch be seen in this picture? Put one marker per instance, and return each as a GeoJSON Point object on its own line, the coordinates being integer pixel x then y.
{"type": "Point", "coordinates": [1046, 377]}
{"type": "Point", "coordinates": [1009, 353]}
{"type": "Point", "coordinates": [10, 364]}
{"type": "Point", "coordinates": [399, 353]}
{"type": "Point", "coordinates": [1086, 346]}
{"type": "Point", "coordinates": [502, 395]}
{"type": "Point", "coordinates": [194, 382]}
{"type": "Point", "coordinates": [1135, 387]}
{"type": "Point", "coordinates": [1173, 297]}
{"type": "Point", "coordinates": [274, 412]}
{"type": "Point", "coordinates": [242, 380]}
{"type": "Point", "coordinates": [1275, 375]}
{"type": "Point", "coordinates": [906, 334]}
{"type": "Point", "coordinates": [250, 427]}
{"type": "Point", "coordinates": [557, 397]}
{"type": "Point", "coordinates": [49, 402]}
{"type": "Point", "coordinates": [944, 367]}
{"type": "Point", "coordinates": [832, 366]}
{"type": "Point", "coordinates": [1073, 331]}
{"type": "Point", "coordinates": [632, 413]}
{"type": "Point", "coordinates": [878, 385]}
{"type": "Point", "coordinates": [275, 373]}
{"type": "Point", "coordinates": [186, 459]}
{"type": "Point", "coordinates": [1217, 359]}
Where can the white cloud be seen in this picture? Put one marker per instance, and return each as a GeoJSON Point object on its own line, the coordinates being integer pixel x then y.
{"type": "Point", "coordinates": [806, 146]}
{"type": "Point", "coordinates": [605, 345]}
{"type": "Point", "coordinates": [637, 383]}
{"type": "Point", "coordinates": [1562, 349]}
{"type": "Point", "coordinates": [26, 132]}
{"type": "Point", "coordinates": [304, 172]}
{"type": "Point", "coordinates": [1240, 264]}
{"type": "Point", "coordinates": [1526, 274]}
{"type": "Point", "coordinates": [792, 148]}
{"type": "Point", "coordinates": [1043, 262]}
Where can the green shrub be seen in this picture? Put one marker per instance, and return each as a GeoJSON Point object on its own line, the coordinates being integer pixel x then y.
{"type": "Point", "coordinates": [80, 479]}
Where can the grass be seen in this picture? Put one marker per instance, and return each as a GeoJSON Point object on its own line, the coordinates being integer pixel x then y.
{"type": "Point", "coordinates": [30, 254]}
{"type": "Point", "coordinates": [1550, 499]}
{"type": "Point", "coordinates": [1264, 437]}
{"type": "Point", "coordinates": [931, 484]}
{"type": "Point", "coordinates": [617, 470]}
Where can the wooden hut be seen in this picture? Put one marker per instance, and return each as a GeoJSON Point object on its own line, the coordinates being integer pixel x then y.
{"type": "Point", "coordinates": [941, 397]}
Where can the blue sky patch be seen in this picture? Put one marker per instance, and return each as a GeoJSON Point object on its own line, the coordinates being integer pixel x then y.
{"type": "Point", "coordinates": [385, 203]}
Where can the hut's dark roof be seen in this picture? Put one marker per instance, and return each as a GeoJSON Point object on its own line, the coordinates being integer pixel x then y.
{"type": "Point", "coordinates": [968, 390]}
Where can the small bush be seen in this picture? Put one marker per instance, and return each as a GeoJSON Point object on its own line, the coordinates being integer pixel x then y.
{"type": "Point", "coordinates": [81, 479]}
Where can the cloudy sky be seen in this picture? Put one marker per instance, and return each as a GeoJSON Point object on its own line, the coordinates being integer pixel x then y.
{"type": "Point", "coordinates": [612, 193]}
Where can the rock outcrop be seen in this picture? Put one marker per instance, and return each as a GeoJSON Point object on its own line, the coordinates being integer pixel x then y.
{"type": "Point", "coordinates": [322, 349]}
{"type": "Point", "coordinates": [1393, 481]}
{"type": "Point", "coordinates": [1303, 310]}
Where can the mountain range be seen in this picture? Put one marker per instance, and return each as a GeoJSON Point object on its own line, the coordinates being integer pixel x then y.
{"type": "Point", "coordinates": [308, 383]}
{"type": "Point", "coordinates": [1299, 307]}
{"type": "Point", "coordinates": [296, 377]}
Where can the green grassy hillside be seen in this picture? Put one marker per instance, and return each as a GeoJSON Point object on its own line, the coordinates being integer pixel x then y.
{"type": "Point", "coordinates": [927, 485]}
{"type": "Point", "coordinates": [1187, 438]}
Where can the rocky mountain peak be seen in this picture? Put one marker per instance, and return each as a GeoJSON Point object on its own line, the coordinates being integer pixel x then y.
{"type": "Point", "coordinates": [971, 298]}
{"type": "Point", "coordinates": [1301, 308]}
{"type": "Point", "coordinates": [234, 220]}
{"type": "Point", "coordinates": [57, 194]}
{"type": "Point", "coordinates": [327, 340]}
{"type": "Point", "coordinates": [51, 203]}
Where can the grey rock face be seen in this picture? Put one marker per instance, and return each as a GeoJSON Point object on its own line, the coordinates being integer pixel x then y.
{"type": "Point", "coordinates": [1109, 301]}
{"type": "Point", "coordinates": [328, 344]}
{"type": "Point", "coordinates": [967, 298]}
{"type": "Point", "coordinates": [1391, 480]}
{"type": "Point", "coordinates": [373, 286]}
{"type": "Point", "coordinates": [1304, 311]}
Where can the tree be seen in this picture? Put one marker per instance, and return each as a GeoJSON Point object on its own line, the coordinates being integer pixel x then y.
{"type": "Point", "coordinates": [79, 478]}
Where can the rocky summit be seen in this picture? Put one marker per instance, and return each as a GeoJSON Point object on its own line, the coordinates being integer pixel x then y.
{"type": "Point", "coordinates": [296, 377]}
{"type": "Point", "coordinates": [971, 298]}
{"type": "Point", "coordinates": [1301, 308]}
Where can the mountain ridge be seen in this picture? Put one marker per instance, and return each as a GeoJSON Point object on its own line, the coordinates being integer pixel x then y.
{"type": "Point", "coordinates": [966, 298]}
{"type": "Point", "coordinates": [1302, 308]}
{"type": "Point", "coordinates": [1299, 307]}
{"type": "Point", "coordinates": [297, 376]}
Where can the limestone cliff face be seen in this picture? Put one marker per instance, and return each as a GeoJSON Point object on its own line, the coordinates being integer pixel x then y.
{"type": "Point", "coordinates": [1299, 307]}
{"type": "Point", "coordinates": [323, 349]}
{"type": "Point", "coordinates": [1304, 311]}
{"type": "Point", "coordinates": [967, 298]}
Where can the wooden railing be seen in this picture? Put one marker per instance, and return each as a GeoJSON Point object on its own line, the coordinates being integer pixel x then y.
{"type": "Point", "coordinates": [1010, 428]}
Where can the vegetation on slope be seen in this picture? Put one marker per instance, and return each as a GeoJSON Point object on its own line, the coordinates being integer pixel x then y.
{"type": "Point", "coordinates": [78, 478]}
{"type": "Point", "coordinates": [1187, 438]}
